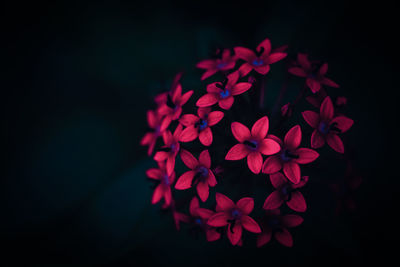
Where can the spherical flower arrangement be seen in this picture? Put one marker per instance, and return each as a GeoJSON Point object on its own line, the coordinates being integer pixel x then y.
{"type": "Point", "coordinates": [227, 166]}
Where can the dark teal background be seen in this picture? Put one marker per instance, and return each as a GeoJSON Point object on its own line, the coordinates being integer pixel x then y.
{"type": "Point", "coordinates": [77, 79]}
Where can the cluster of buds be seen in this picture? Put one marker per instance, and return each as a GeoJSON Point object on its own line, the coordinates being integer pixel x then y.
{"type": "Point", "coordinates": [227, 123]}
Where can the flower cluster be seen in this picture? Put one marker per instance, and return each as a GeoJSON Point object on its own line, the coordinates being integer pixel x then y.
{"type": "Point", "coordinates": [213, 134]}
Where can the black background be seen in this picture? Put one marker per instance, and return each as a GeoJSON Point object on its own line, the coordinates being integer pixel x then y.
{"type": "Point", "coordinates": [77, 79]}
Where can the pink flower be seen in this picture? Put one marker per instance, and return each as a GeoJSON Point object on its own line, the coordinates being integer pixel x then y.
{"type": "Point", "coordinates": [200, 172]}
{"type": "Point", "coordinates": [223, 92]}
{"type": "Point", "coordinates": [199, 126]}
{"type": "Point", "coordinates": [158, 124]}
{"type": "Point", "coordinates": [212, 66]}
{"type": "Point", "coordinates": [260, 60]}
{"type": "Point", "coordinates": [235, 216]}
{"type": "Point", "coordinates": [170, 149]}
{"type": "Point", "coordinates": [163, 190]}
{"type": "Point", "coordinates": [286, 191]}
{"type": "Point", "coordinates": [252, 144]}
{"type": "Point", "coordinates": [200, 217]}
{"type": "Point", "coordinates": [327, 127]}
{"type": "Point", "coordinates": [315, 75]}
{"type": "Point", "coordinates": [274, 224]}
{"type": "Point", "coordinates": [170, 104]}
{"type": "Point", "coordinates": [290, 156]}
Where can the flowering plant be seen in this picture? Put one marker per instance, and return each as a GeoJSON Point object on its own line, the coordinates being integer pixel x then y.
{"type": "Point", "coordinates": [212, 130]}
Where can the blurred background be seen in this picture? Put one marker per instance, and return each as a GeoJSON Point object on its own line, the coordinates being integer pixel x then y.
{"type": "Point", "coordinates": [78, 78]}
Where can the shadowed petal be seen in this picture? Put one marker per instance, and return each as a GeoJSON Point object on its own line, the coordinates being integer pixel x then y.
{"type": "Point", "coordinates": [240, 132]}
{"type": "Point", "coordinates": [269, 147]}
{"type": "Point", "coordinates": [223, 202]}
{"type": "Point", "coordinates": [254, 161]}
{"type": "Point", "coordinates": [188, 159]}
{"type": "Point", "coordinates": [208, 73]}
{"type": "Point", "coordinates": [185, 181]}
{"type": "Point", "coordinates": [311, 117]}
{"type": "Point", "coordinates": [314, 85]}
{"type": "Point", "coordinates": [329, 82]}
{"type": "Point", "coordinates": [323, 69]}
{"type": "Point", "coordinates": [326, 109]}
{"type": "Point", "coordinates": [272, 165]}
{"type": "Point", "coordinates": [204, 213]}
{"type": "Point", "coordinates": [317, 140]}
{"type": "Point", "coordinates": [262, 69]}
{"type": "Point", "coordinates": [260, 128]}
{"type": "Point", "coordinates": [273, 201]}
{"type": "Point", "coordinates": [218, 220]}
{"type": "Point", "coordinates": [306, 155]}
{"type": "Point", "coordinates": [297, 71]}
{"type": "Point", "coordinates": [212, 235]}
{"type": "Point", "coordinates": [297, 202]}
{"type": "Point", "coordinates": [292, 220]}
{"type": "Point", "coordinates": [277, 179]}
{"type": "Point", "coordinates": [193, 206]}
{"type": "Point", "coordinates": [284, 237]}
{"type": "Point", "coordinates": [246, 205]}
{"type": "Point", "coordinates": [234, 233]}
{"type": "Point", "coordinates": [207, 100]}
{"type": "Point", "coordinates": [343, 123]}
{"type": "Point", "coordinates": [206, 137]}
{"type": "Point", "coordinates": [263, 238]}
{"type": "Point", "coordinates": [335, 142]}
{"type": "Point", "coordinates": [293, 137]}
{"type": "Point", "coordinates": [204, 159]}
{"type": "Point", "coordinates": [292, 171]}
{"type": "Point", "coordinates": [250, 224]}
{"type": "Point", "coordinates": [167, 195]}
{"type": "Point", "coordinates": [302, 59]}
{"type": "Point", "coordinates": [214, 117]}
{"type": "Point", "coordinates": [237, 152]}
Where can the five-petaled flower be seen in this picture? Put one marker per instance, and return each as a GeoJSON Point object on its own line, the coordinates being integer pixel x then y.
{"type": "Point", "coordinates": [199, 174]}
{"type": "Point", "coordinates": [252, 144]}
{"type": "Point", "coordinates": [165, 179]}
{"type": "Point", "coordinates": [158, 123]}
{"type": "Point", "coordinates": [223, 92]}
{"type": "Point", "coordinates": [290, 156]}
{"type": "Point", "coordinates": [276, 224]}
{"type": "Point", "coordinates": [260, 60]}
{"type": "Point", "coordinates": [199, 126]}
{"type": "Point", "coordinates": [314, 74]}
{"type": "Point", "coordinates": [170, 149]}
{"type": "Point", "coordinates": [212, 66]}
{"type": "Point", "coordinates": [200, 216]}
{"type": "Point", "coordinates": [235, 216]}
{"type": "Point", "coordinates": [286, 191]}
{"type": "Point", "coordinates": [326, 126]}
{"type": "Point", "coordinates": [170, 104]}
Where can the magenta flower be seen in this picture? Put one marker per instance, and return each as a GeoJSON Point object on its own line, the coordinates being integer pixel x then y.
{"type": "Point", "coordinates": [290, 156]}
{"type": "Point", "coordinates": [158, 124]}
{"type": "Point", "coordinates": [235, 216]}
{"type": "Point", "coordinates": [199, 126]}
{"type": "Point", "coordinates": [170, 104]}
{"type": "Point", "coordinates": [170, 149]}
{"type": "Point", "coordinates": [260, 60]}
{"type": "Point", "coordinates": [163, 189]}
{"type": "Point", "coordinates": [252, 144]}
{"type": "Point", "coordinates": [274, 224]}
{"type": "Point", "coordinates": [200, 172]}
{"type": "Point", "coordinates": [315, 76]}
{"type": "Point", "coordinates": [327, 127]}
{"type": "Point", "coordinates": [212, 66]}
{"type": "Point", "coordinates": [286, 191]}
{"type": "Point", "coordinates": [200, 217]}
{"type": "Point", "coordinates": [223, 92]}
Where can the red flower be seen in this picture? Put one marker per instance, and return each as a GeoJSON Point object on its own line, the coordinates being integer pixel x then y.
{"type": "Point", "coordinates": [200, 172]}
{"type": "Point", "coordinates": [235, 216]}
{"type": "Point", "coordinates": [275, 224]}
{"type": "Point", "coordinates": [252, 144]}
{"type": "Point", "coordinates": [223, 92]}
{"type": "Point", "coordinates": [200, 217]}
{"type": "Point", "coordinates": [170, 149]}
{"type": "Point", "coordinates": [163, 189]}
{"type": "Point", "coordinates": [286, 191]}
{"type": "Point", "coordinates": [178, 218]}
{"type": "Point", "coordinates": [315, 75]}
{"type": "Point", "coordinates": [260, 60]}
{"type": "Point", "coordinates": [327, 127]}
{"type": "Point", "coordinates": [290, 156]}
{"type": "Point", "coordinates": [158, 124]}
{"type": "Point", "coordinates": [199, 126]}
{"type": "Point", "coordinates": [212, 66]}
{"type": "Point", "coordinates": [170, 104]}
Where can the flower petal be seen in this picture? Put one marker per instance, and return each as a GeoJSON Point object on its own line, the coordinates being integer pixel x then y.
{"type": "Point", "coordinates": [214, 117]}
{"type": "Point", "coordinates": [234, 233]}
{"type": "Point", "coordinates": [160, 156]}
{"type": "Point", "coordinates": [326, 109]}
{"type": "Point", "coordinates": [193, 206]}
{"type": "Point", "coordinates": [323, 69]}
{"type": "Point", "coordinates": [212, 88]}
{"type": "Point", "coordinates": [218, 220]}
{"type": "Point", "coordinates": [317, 139]}
{"type": "Point", "coordinates": [269, 147]}
{"type": "Point", "coordinates": [273, 201]}
{"type": "Point", "coordinates": [207, 100]}
{"type": "Point", "coordinates": [250, 224]}
{"type": "Point", "coordinates": [152, 119]}
{"type": "Point", "coordinates": [226, 103]}
{"type": "Point", "coordinates": [154, 173]}
{"type": "Point", "coordinates": [302, 59]}
{"type": "Point", "coordinates": [204, 159]}
{"type": "Point", "coordinates": [240, 88]}
{"type": "Point", "coordinates": [188, 159]}
{"type": "Point", "coordinates": [204, 213]}
{"type": "Point", "coordinates": [272, 165]}
{"type": "Point", "coordinates": [277, 179]}
{"type": "Point", "coordinates": [264, 238]}
{"type": "Point", "coordinates": [262, 69]}
{"type": "Point", "coordinates": [329, 82]}
{"type": "Point", "coordinates": [202, 190]}
{"type": "Point", "coordinates": [240, 132]}
{"type": "Point", "coordinates": [206, 137]}
{"type": "Point", "coordinates": [311, 117]}
{"type": "Point", "coordinates": [185, 97]}
{"type": "Point", "coordinates": [157, 194]}
{"type": "Point", "coordinates": [297, 71]}
{"type": "Point", "coordinates": [211, 179]}
{"type": "Point", "coordinates": [255, 162]}
{"type": "Point", "coordinates": [188, 134]}
{"type": "Point", "coordinates": [206, 64]}
{"type": "Point", "coordinates": [266, 44]}
{"type": "Point", "coordinates": [284, 237]}
{"type": "Point", "coordinates": [212, 235]}
{"type": "Point", "coordinates": [291, 220]}
{"type": "Point", "coordinates": [275, 57]}
{"type": "Point", "coordinates": [293, 137]}
{"type": "Point", "coordinates": [185, 181]}
{"type": "Point", "coordinates": [314, 85]}
{"type": "Point", "coordinates": [223, 202]}
{"type": "Point", "coordinates": [188, 119]}
{"type": "Point", "coordinates": [244, 53]}
{"type": "Point", "coordinates": [335, 142]}
{"type": "Point", "coordinates": [246, 204]}
{"type": "Point", "coordinates": [292, 171]}
{"type": "Point", "coordinates": [237, 152]}
{"type": "Point", "coordinates": [343, 123]}
{"type": "Point", "coordinates": [245, 69]}
{"type": "Point", "coordinates": [297, 202]}
{"type": "Point", "coordinates": [306, 155]}
{"type": "Point", "coordinates": [260, 128]}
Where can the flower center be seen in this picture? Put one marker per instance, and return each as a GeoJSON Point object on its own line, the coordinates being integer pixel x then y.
{"type": "Point", "coordinates": [252, 144]}
{"type": "Point", "coordinates": [201, 124]}
{"type": "Point", "coordinates": [236, 214]}
{"type": "Point", "coordinates": [273, 223]}
{"type": "Point", "coordinates": [288, 156]}
{"type": "Point", "coordinates": [257, 62]}
{"type": "Point", "coordinates": [198, 221]}
{"type": "Point", "coordinates": [165, 179]}
{"type": "Point", "coordinates": [202, 171]}
{"type": "Point", "coordinates": [323, 127]}
{"type": "Point", "coordinates": [221, 65]}
{"type": "Point", "coordinates": [224, 94]}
